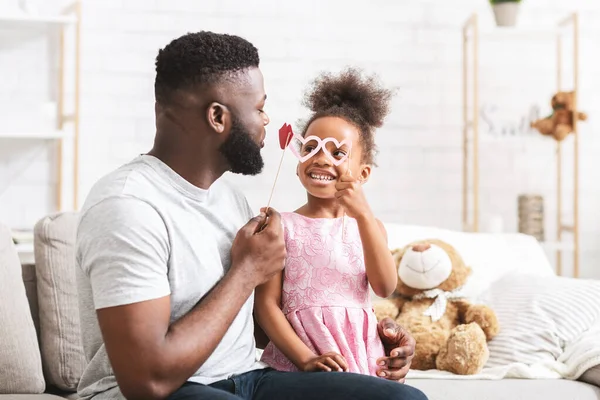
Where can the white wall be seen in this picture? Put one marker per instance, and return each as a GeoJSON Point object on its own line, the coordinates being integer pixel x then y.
{"type": "Point", "coordinates": [414, 46]}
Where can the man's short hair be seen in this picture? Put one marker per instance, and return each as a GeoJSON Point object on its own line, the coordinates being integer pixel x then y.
{"type": "Point", "coordinates": [202, 58]}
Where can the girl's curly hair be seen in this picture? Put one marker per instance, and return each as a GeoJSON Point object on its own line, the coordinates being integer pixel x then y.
{"type": "Point", "coordinates": [360, 100]}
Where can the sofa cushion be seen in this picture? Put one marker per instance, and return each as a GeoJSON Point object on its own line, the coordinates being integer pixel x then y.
{"type": "Point", "coordinates": [20, 360]}
{"type": "Point", "coordinates": [60, 341]}
{"type": "Point", "coordinates": [513, 389]}
{"type": "Point", "coordinates": [29, 279]}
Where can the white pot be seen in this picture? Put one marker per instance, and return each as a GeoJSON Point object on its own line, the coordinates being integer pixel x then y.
{"type": "Point", "coordinates": [506, 13]}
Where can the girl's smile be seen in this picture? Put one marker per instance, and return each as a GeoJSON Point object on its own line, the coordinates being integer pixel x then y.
{"type": "Point", "coordinates": [321, 176]}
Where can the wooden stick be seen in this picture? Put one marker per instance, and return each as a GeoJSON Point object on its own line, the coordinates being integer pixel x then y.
{"type": "Point", "coordinates": [558, 166]}
{"type": "Point", "coordinates": [289, 138]}
{"type": "Point", "coordinates": [61, 121]}
{"type": "Point", "coordinates": [276, 176]}
{"type": "Point", "coordinates": [475, 123]}
{"type": "Point", "coordinates": [576, 145]}
{"type": "Point", "coordinates": [77, 107]}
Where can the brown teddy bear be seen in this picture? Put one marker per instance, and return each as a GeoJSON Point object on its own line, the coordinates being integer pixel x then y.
{"type": "Point", "coordinates": [560, 123]}
{"type": "Point", "coordinates": [451, 333]}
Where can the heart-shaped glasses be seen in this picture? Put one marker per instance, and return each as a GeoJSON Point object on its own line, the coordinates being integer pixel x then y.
{"type": "Point", "coordinates": [305, 148]}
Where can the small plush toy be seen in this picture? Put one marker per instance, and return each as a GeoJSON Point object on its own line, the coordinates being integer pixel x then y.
{"type": "Point", "coordinates": [560, 123]}
{"type": "Point", "coordinates": [451, 333]}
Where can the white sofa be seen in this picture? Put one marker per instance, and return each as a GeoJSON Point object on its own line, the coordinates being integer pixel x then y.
{"type": "Point", "coordinates": [40, 349]}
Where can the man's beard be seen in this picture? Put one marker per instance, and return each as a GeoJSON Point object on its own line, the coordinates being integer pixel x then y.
{"type": "Point", "coordinates": [241, 152]}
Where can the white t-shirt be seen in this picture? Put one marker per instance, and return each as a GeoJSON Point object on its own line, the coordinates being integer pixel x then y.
{"type": "Point", "coordinates": [145, 233]}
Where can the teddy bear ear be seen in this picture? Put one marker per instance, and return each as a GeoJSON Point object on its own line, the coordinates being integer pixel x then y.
{"type": "Point", "coordinates": [397, 255]}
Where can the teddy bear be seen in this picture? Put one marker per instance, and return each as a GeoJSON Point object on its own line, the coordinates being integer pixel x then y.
{"type": "Point", "coordinates": [560, 123]}
{"type": "Point", "coordinates": [451, 333]}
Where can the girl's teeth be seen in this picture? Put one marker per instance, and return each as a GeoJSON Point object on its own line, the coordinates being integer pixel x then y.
{"type": "Point", "coordinates": [322, 177]}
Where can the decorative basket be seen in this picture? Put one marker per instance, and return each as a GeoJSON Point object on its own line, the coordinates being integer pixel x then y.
{"type": "Point", "coordinates": [531, 215]}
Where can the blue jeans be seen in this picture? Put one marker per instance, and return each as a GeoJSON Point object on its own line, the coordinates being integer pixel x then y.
{"type": "Point", "coordinates": [268, 384]}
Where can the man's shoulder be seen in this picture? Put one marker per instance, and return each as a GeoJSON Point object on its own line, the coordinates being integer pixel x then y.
{"type": "Point", "coordinates": [136, 179]}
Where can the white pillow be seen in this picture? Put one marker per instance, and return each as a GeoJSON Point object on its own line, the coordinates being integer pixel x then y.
{"type": "Point", "coordinates": [544, 319]}
{"type": "Point", "coordinates": [491, 256]}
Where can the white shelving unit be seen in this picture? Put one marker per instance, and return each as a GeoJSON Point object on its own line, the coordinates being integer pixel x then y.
{"type": "Point", "coordinates": [67, 123]}
{"type": "Point", "coordinates": [472, 35]}
{"type": "Point", "coordinates": [20, 20]}
{"type": "Point", "coordinates": [49, 135]}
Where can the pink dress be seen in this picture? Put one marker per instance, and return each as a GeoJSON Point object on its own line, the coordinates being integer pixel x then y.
{"type": "Point", "coordinates": [326, 295]}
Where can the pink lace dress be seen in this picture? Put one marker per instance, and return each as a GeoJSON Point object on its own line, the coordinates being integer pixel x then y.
{"type": "Point", "coordinates": [325, 294]}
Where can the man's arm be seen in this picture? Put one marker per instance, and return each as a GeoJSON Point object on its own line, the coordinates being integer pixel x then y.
{"type": "Point", "coordinates": [152, 359]}
{"type": "Point", "coordinates": [125, 255]}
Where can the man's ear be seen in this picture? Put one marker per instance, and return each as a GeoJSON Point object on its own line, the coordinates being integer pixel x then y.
{"type": "Point", "coordinates": [365, 173]}
{"type": "Point", "coordinates": [218, 117]}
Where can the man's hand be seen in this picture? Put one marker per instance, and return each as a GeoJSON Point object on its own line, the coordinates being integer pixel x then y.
{"type": "Point", "coordinates": [259, 250]}
{"type": "Point", "coordinates": [399, 348]}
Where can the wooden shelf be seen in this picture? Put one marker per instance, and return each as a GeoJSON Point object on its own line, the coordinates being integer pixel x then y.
{"type": "Point", "coordinates": [519, 32]}
{"type": "Point", "coordinates": [16, 20]}
{"type": "Point", "coordinates": [558, 246]}
{"type": "Point", "coordinates": [48, 135]}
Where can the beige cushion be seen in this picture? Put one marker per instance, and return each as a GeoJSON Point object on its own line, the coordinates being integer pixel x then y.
{"type": "Point", "coordinates": [20, 361]}
{"type": "Point", "coordinates": [29, 279]}
{"type": "Point", "coordinates": [60, 340]}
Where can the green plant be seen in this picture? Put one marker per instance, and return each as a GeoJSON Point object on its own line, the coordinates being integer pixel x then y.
{"type": "Point", "coordinates": [492, 2]}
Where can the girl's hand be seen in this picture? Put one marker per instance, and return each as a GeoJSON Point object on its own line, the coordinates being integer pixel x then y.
{"type": "Point", "coordinates": [351, 197]}
{"type": "Point", "coordinates": [328, 362]}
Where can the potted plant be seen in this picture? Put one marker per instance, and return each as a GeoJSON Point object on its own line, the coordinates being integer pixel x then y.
{"type": "Point", "coordinates": [505, 11]}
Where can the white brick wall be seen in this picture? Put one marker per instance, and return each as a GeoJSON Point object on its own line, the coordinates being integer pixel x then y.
{"type": "Point", "coordinates": [414, 45]}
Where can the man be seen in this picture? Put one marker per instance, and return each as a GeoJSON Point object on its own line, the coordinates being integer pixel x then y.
{"type": "Point", "coordinates": [168, 261]}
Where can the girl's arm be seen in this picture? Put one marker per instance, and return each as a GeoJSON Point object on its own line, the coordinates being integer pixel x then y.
{"type": "Point", "coordinates": [268, 313]}
{"type": "Point", "coordinates": [379, 263]}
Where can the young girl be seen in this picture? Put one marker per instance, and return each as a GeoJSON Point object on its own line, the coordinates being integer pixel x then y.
{"type": "Point", "coordinates": [317, 313]}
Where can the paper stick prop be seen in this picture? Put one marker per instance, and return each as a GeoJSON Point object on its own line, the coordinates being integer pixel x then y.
{"type": "Point", "coordinates": [285, 137]}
